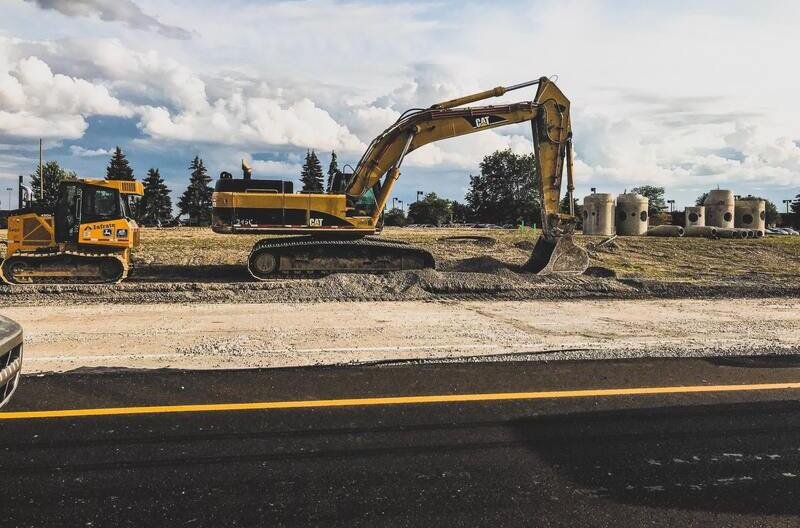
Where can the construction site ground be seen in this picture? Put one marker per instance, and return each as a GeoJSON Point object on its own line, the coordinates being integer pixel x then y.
{"type": "Point", "coordinates": [190, 303]}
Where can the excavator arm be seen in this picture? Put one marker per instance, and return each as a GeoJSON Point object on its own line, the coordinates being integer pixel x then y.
{"type": "Point", "coordinates": [548, 114]}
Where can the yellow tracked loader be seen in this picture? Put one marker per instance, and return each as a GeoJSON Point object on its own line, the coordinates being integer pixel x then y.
{"type": "Point", "coordinates": [87, 239]}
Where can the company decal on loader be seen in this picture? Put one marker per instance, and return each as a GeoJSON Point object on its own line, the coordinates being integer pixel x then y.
{"type": "Point", "coordinates": [484, 121]}
{"type": "Point", "coordinates": [315, 222]}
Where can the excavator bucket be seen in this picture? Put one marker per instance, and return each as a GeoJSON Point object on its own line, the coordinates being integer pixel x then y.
{"type": "Point", "coordinates": [557, 256]}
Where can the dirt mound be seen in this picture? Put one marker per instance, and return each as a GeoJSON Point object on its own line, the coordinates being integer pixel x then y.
{"type": "Point", "coordinates": [484, 241]}
{"type": "Point", "coordinates": [482, 264]}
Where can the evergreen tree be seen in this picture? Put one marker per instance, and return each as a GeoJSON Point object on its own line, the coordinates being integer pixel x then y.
{"type": "Point", "coordinates": [118, 168]}
{"type": "Point", "coordinates": [196, 199]}
{"type": "Point", "coordinates": [333, 171]}
{"type": "Point", "coordinates": [156, 204]}
{"type": "Point", "coordinates": [506, 191]}
{"type": "Point", "coordinates": [701, 200]}
{"type": "Point", "coordinates": [564, 204]}
{"type": "Point", "coordinates": [53, 174]}
{"type": "Point", "coordinates": [311, 174]}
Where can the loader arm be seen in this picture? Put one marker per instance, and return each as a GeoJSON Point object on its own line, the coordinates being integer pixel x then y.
{"type": "Point", "coordinates": [548, 114]}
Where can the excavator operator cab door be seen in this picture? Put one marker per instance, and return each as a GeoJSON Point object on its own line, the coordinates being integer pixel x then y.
{"type": "Point", "coordinates": [67, 215]}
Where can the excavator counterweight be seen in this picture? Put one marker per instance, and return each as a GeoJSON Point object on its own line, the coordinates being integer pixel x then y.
{"type": "Point", "coordinates": [329, 224]}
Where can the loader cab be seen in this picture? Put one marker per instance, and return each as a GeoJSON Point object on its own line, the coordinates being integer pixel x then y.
{"type": "Point", "coordinates": [79, 202]}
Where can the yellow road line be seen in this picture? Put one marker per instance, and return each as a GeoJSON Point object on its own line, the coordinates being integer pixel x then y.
{"type": "Point", "coordinates": [396, 400]}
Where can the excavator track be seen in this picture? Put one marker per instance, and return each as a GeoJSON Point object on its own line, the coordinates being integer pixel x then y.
{"type": "Point", "coordinates": [306, 256]}
{"type": "Point", "coordinates": [63, 267]}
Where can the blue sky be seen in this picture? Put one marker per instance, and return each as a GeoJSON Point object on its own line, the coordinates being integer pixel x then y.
{"type": "Point", "coordinates": [688, 95]}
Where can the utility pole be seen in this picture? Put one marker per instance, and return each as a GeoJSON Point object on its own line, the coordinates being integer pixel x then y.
{"type": "Point", "coordinates": [41, 173]}
{"type": "Point", "coordinates": [787, 202]}
{"type": "Point", "coordinates": [671, 205]}
{"type": "Point", "coordinates": [394, 203]}
{"type": "Point", "coordinates": [401, 204]}
{"type": "Point", "coordinates": [9, 189]}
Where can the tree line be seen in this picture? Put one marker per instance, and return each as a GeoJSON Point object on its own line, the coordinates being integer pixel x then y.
{"type": "Point", "coordinates": [506, 191]}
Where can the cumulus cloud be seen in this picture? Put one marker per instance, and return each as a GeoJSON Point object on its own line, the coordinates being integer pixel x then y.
{"type": "Point", "coordinates": [35, 102]}
{"type": "Point", "coordinates": [125, 11]}
{"type": "Point", "coordinates": [81, 152]}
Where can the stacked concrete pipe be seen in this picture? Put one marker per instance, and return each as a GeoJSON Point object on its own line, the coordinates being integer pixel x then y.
{"type": "Point", "coordinates": [732, 233]}
{"type": "Point", "coordinates": [720, 207]}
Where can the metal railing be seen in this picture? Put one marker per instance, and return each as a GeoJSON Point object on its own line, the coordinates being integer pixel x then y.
{"type": "Point", "coordinates": [10, 358]}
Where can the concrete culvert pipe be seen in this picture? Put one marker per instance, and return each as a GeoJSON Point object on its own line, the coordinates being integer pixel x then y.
{"type": "Point", "coordinates": [598, 214]}
{"type": "Point", "coordinates": [695, 216]}
{"type": "Point", "coordinates": [666, 231]}
{"type": "Point", "coordinates": [730, 233]}
{"type": "Point", "coordinates": [719, 206]}
{"type": "Point", "coordinates": [750, 213]}
{"type": "Point", "coordinates": [701, 231]}
{"type": "Point", "coordinates": [632, 218]}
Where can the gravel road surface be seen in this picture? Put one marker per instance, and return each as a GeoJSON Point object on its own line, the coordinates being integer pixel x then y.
{"type": "Point", "coordinates": [238, 335]}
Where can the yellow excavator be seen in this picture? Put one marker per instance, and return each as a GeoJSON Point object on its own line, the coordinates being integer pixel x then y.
{"type": "Point", "coordinates": [86, 239]}
{"type": "Point", "coordinates": [333, 231]}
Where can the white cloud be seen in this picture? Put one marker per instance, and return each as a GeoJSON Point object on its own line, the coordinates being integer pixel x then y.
{"type": "Point", "coordinates": [125, 11]}
{"type": "Point", "coordinates": [79, 151]}
{"type": "Point", "coordinates": [34, 102]}
{"type": "Point", "coordinates": [658, 94]}
{"type": "Point", "coordinates": [254, 122]}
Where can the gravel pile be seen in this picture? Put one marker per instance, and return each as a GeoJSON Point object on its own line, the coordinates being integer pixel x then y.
{"type": "Point", "coordinates": [474, 278]}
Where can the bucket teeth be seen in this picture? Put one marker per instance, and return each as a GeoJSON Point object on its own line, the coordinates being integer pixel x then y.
{"type": "Point", "coordinates": [557, 256]}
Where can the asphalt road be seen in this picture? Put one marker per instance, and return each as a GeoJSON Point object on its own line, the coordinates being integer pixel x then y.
{"type": "Point", "coordinates": [717, 458]}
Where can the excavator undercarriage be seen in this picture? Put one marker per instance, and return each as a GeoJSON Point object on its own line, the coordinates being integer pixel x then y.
{"type": "Point", "coordinates": [306, 256]}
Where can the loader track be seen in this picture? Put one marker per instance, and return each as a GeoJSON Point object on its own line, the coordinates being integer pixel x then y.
{"type": "Point", "coordinates": [308, 257]}
{"type": "Point", "coordinates": [63, 267]}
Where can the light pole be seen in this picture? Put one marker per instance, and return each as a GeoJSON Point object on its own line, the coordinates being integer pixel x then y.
{"type": "Point", "coordinates": [419, 193]}
{"type": "Point", "coordinates": [593, 189]}
{"type": "Point", "coordinates": [401, 205]}
{"type": "Point", "coordinates": [671, 205]}
{"type": "Point", "coordinates": [787, 202]}
{"type": "Point", "coordinates": [394, 203]}
{"type": "Point", "coordinates": [9, 189]}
